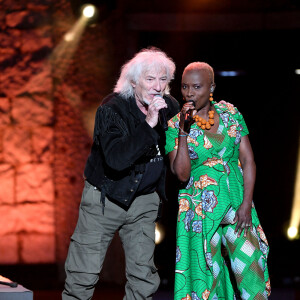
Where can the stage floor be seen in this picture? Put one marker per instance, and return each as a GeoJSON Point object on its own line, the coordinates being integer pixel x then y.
{"type": "Point", "coordinates": [117, 294]}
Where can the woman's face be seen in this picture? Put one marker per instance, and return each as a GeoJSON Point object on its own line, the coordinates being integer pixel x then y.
{"type": "Point", "coordinates": [196, 85]}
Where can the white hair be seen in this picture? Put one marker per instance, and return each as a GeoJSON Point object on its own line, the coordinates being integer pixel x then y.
{"type": "Point", "coordinates": [143, 61]}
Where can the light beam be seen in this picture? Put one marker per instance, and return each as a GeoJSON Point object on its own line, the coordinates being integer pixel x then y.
{"type": "Point", "coordinates": [295, 215]}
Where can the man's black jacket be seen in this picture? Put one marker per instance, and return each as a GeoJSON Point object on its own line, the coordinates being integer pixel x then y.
{"type": "Point", "coordinates": [121, 141]}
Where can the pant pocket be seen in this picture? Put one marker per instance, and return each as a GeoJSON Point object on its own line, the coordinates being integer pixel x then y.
{"type": "Point", "coordinates": [146, 246]}
{"type": "Point", "coordinates": [84, 253]}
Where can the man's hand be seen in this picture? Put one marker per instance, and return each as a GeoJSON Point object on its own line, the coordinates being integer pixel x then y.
{"type": "Point", "coordinates": [153, 109]}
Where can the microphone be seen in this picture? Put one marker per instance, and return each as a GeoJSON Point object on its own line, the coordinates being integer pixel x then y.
{"type": "Point", "coordinates": [9, 283]}
{"type": "Point", "coordinates": [163, 119]}
{"type": "Point", "coordinates": [162, 116]}
{"type": "Point", "coordinates": [189, 112]}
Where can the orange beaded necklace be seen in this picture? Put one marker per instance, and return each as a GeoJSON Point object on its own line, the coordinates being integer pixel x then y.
{"type": "Point", "coordinates": [203, 123]}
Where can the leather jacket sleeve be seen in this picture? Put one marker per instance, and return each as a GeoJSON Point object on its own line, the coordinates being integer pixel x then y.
{"type": "Point", "coordinates": [121, 144]}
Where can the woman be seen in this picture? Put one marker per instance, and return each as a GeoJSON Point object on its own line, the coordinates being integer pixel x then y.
{"type": "Point", "coordinates": [210, 153]}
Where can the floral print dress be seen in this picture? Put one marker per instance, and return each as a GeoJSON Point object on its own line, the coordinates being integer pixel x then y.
{"type": "Point", "coordinates": [207, 207]}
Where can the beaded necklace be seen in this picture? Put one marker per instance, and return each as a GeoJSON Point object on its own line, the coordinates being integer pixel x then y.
{"type": "Point", "coordinates": [203, 123]}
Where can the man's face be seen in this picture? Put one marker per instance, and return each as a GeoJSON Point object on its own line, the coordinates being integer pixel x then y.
{"type": "Point", "coordinates": [150, 84]}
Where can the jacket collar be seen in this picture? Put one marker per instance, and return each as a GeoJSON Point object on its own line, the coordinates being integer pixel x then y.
{"type": "Point", "coordinates": [134, 109]}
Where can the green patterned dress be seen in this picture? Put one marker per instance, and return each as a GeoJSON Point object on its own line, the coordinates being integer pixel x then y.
{"type": "Point", "coordinates": [207, 207]}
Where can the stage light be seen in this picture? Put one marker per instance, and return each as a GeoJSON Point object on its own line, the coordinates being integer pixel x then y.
{"type": "Point", "coordinates": [159, 233]}
{"type": "Point", "coordinates": [61, 56]}
{"type": "Point", "coordinates": [230, 73]}
{"type": "Point", "coordinates": [292, 232]}
{"type": "Point", "coordinates": [69, 37]}
{"type": "Point", "coordinates": [89, 11]}
{"type": "Point", "coordinates": [295, 214]}
{"type": "Point", "coordinates": [297, 71]}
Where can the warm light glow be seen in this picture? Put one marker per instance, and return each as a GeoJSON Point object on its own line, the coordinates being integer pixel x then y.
{"type": "Point", "coordinates": [4, 279]}
{"type": "Point", "coordinates": [159, 233]}
{"type": "Point", "coordinates": [69, 36]}
{"type": "Point", "coordinates": [297, 71]}
{"type": "Point", "coordinates": [292, 232]}
{"type": "Point", "coordinates": [63, 52]}
{"type": "Point", "coordinates": [89, 11]}
{"type": "Point", "coordinates": [295, 215]}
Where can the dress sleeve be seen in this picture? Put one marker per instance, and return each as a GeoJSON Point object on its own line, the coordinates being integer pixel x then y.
{"type": "Point", "coordinates": [235, 114]}
{"type": "Point", "coordinates": [172, 135]}
{"type": "Point", "coordinates": [242, 124]}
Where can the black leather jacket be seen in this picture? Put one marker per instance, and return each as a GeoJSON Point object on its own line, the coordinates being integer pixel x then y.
{"type": "Point", "coordinates": [121, 140]}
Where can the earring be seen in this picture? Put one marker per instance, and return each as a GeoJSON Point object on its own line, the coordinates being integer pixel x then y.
{"type": "Point", "coordinates": [212, 88]}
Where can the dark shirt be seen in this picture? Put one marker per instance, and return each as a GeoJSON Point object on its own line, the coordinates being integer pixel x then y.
{"type": "Point", "coordinates": [153, 167]}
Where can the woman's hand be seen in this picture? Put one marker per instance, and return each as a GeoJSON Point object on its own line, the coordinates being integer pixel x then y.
{"type": "Point", "coordinates": [243, 219]}
{"type": "Point", "coordinates": [180, 161]}
{"type": "Point", "coordinates": [186, 116]}
{"type": "Point", "coordinates": [243, 214]}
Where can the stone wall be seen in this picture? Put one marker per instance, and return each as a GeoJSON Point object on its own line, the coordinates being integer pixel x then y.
{"type": "Point", "coordinates": [27, 227]}
{"type": "Point", "coordinates": [47, 106]}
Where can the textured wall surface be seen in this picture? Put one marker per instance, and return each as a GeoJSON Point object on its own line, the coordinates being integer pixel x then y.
{"type": "Point", "coordinates": [27, 222]}
{"type": "Point", "coordinates": [49, 91]}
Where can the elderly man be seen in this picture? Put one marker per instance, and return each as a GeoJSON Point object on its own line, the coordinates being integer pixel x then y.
{"type": "Point", "coordinates": [124, 179]}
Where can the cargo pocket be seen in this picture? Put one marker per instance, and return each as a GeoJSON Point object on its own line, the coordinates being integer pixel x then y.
{"type": "Point", "coordinates": [85, 253]}
{"type": "Point", "coordinates": [86, 194]}
{"type": "Point", "coordinates": [146, 246]}
{"type": "Point", "coordinates": [90, 201]}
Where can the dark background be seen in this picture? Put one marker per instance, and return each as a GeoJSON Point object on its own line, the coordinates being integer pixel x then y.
{"type": "Point", "coordinates": [265, 49]}
{"type": "Point", "coordinates": [267, 94]}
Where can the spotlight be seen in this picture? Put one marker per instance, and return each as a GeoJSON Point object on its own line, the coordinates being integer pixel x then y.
{"type": "Point", "coordinates": [230, 73]}
{"type": "Point", "coordinates": [159, 233]}
{"type": "Point", "coordinates": [292, 232]}
{"type": "Point", "coordinates": [89, 11]}
{"type": "Point", "coordinates": [69, 36]}
{"type": "Point", "coordinates": [297, 71]}
{"type": "Point", "coordinates": [295, 213]}
{"type": "Point", "coordinates": [92, 11]}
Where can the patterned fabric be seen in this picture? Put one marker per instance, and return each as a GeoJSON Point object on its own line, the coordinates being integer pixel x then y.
{"type": "Point", "coordinates": [207, 207]}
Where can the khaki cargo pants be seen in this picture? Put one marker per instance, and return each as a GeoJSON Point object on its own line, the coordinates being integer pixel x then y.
{"type": "Point", "coordinates": [92, 236]}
